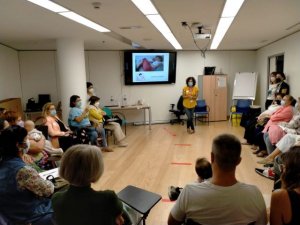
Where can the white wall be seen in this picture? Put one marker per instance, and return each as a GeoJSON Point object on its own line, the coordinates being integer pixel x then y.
{"type": "Point", "coordinates": [106, 73]}
{"type": "Point", "coordinates": [291, 49]}
{"type": "Point", "coordinates": [38, 75]}
{"type": "Point", "coordinates": [105, 70]}
{"type": "Point", "coordinates": [10, 85]}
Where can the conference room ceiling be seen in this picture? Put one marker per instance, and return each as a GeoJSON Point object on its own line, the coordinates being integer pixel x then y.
{"type": "Point", "coordinates": [26, 26]}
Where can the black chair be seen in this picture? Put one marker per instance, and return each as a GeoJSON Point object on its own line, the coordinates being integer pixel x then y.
{"type": "Point", "coordinates": [140, 200]}
{"type": "Point", "coordinates": [178, 113]}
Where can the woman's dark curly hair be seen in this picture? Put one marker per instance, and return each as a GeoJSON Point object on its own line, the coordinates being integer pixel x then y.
{"type": "Point", "coordinates": [291, 175]}
{"type": "Point", "coordinates": [190, 78]}
{"type": "Point", "coordinates": [9, 138]}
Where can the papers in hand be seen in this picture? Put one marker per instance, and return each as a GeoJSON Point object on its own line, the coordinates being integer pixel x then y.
{"type": "Point", "coordinates": [45, 174]}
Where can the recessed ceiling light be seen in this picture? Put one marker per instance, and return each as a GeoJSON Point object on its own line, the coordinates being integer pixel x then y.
{"type": "Point", "coordinates": [130, 27]}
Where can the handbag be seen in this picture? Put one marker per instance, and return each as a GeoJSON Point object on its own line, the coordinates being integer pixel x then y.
{"type": "Point", "coordinates": [59, 183]}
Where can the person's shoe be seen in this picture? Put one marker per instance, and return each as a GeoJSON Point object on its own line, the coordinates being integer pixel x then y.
{"type": "Point", "coordinates": [262, 153]}
{"type": "Point", "coordinates": [192, 131]}
{"type": "Point", "coordinates": [122, 144]}
{"type": "Point", "coordinates": [107, 149]}
{"type": "Point", "coordinates": [256, 151]}
{"type": "Point", "coordinates": [173, 192]}
{"type": "Point", "coordinates": [265, 161]}
{"type": "Point", "coordinates": [245, 143]}
{"type": "Point", "coordinates": [253, 147]}
{"type": "Point", "coordinates": [268, 172]}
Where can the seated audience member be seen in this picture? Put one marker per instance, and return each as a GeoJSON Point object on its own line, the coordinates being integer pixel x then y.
{"type": "Point", "coordinates": [96, 119]}
{"type": "Point", "coordinates": [283, 114]}
{"type": "Point", "coordinates": [204, 172]}
{"type": "Point", "coordinates": [96, 115]}
{"type": "Point", "coordinates": [36, 135]}
{"type": "Point", "coordinates": [13, 118]}
{"type": "Point", "coordinates": [282, 146]}
{"type": "Point", "coordinates": [24, 194]}
{"type": "Point", "coordinates": [78, 119]}
{"type": "Point", "coordinates": [222, 199]}
{"type": "Point", "coordinates": [283, 88]}
{"type": "Point", "coordinates": [257, 124]}
{"type": "Point", "coordinates": [80, 204]}
{"type": "Point", "coordinates": [276, 132]}
{"type": "Point", "coordinates": [285, 202]}
{"type": "Point", "coordinates": [203, 169]}
{"type": "Point", "coordinates": [59, 133]}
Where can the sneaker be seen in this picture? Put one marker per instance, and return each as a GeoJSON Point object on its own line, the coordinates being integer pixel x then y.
{"type": "Point", "coordinates": [122, 144]}
{"type": "Point", "coordinates": [268, 172]}
{"type": "Point", "coordinates": [265, 161]}
{"type": "Point", "coordinates": [173, 192]}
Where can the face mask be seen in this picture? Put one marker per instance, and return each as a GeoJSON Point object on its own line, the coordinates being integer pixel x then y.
{"type": "Point", "coordinates": [78, 104]}
{"type": "Point", "coordinates": [53, 112]}
{"type": "Point", "coordinates": [190, 84]}
{"type": "Point", "coordinates": [97, 104]}
{"type": "Point", "coordinates": [91, 90]}
{"type": "Point", "coordinates": [20, 123]}
{"type": "Point", "coordinates": [278, 80]}
{"type": "Point", "coordinates": [282, 102]}
{"type": "Point", "coordinates": [278, 102]}
{"type": "Point", "coordinates": [273, 79]}
{"type": "Point", "coordinates": [25, 147]}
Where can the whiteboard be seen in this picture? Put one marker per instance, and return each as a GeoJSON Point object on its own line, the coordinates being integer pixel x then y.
{"type": "Point", "coordinates": [244, 86]}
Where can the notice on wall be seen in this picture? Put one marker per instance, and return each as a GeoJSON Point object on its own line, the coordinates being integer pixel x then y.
{"type": "Point", "coordinates": [221, 82]}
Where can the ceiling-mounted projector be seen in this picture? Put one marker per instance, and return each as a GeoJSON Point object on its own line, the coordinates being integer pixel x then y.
{"type": "Point", "coordinates": [202, 36]}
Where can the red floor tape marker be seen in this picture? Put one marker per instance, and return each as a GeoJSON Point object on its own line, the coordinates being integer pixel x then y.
{"type": "Point", "coordinates": [183, 144]}
{"type": "Point", "coordinates": [170, 132]}
{"type": "Point", "coordinates": [181, 163]}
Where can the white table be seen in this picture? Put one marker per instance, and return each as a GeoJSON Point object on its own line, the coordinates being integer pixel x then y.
{"type": "Point", "coordinates": [135, 107]}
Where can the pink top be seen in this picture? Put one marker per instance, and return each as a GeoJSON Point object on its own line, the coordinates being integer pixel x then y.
{"type": "Point", "coordinates": [283, 114]}
{"type": "Point", "coordinates": [54, 130]}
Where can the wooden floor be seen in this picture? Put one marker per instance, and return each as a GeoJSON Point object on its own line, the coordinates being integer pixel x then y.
{"type": "Point", "coordinates": [146, 162]}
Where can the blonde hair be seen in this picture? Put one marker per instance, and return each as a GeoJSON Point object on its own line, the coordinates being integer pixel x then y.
{"type": "Point", "coordinates": [29, 123]}
{"type": "Point", "coordinates": [46, 108]}
{"type": "Point", "coordinates": [82, 165]}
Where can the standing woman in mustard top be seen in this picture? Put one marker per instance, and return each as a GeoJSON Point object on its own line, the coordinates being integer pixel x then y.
{"type": "Point", "coordinates": [190, 95]}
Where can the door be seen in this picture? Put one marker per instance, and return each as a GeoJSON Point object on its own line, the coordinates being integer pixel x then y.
{"type": "Point", "coordinates": [220, 98]}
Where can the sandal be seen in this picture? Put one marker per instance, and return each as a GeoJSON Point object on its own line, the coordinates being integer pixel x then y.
{"type": "Point", "coordinates": [262, 153]}
{"type": "Point", "coordinates": [257, 151]}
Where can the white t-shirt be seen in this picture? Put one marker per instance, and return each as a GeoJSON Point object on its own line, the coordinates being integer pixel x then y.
{"type": "Point", "coordinates": [206, 203]}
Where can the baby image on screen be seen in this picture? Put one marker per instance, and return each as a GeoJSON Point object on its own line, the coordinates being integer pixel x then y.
{"type": "Point", "coordinates": [149, 63]}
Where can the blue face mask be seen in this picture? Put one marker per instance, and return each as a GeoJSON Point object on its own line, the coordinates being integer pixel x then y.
{"type": "Point", "coordinates": [53, 112]}
{"type": "Point", "coordinates": [78, 104]}
{"type": "Point", "coordinates": [190, 84]}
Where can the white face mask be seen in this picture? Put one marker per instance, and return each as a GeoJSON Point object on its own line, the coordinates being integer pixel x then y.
{"type": "Point", "coordinates": [282, 102]}
{"type": "Point", "coordinates": [97, 104]}
{"type": "Point", "coordinates": [91, 90]}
